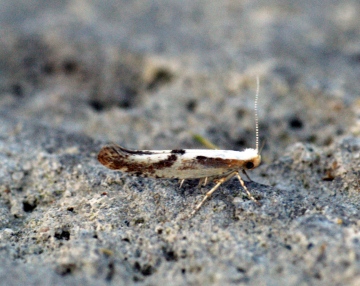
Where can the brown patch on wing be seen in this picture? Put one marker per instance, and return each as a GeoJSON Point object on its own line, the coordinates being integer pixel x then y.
{"type": "Point", "coordinates": [219, 162]}
{"type": "Point", "coordinates": [134, 152]}
{"type": "Point", "coordinates": [178, 151]}
{"type": "Point", "coordinates": [110, 157]}
{"type": "Point", "coordinates": [117, 158]}
{"type": "Point", "coordinates": [188, 165]}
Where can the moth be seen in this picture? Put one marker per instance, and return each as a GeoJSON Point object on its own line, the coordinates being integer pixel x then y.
{"type": "Point", "coordinates": [204, 164]}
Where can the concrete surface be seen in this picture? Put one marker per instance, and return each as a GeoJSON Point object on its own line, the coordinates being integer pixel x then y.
{"type": "Point", "coordinates": [75, 75]}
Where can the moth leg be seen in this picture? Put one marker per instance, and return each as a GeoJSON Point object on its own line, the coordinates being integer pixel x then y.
{"type": "Point", "coordinates": [247, 176]}
{"type": "Point", "coordinates": [246, 189]}
{"type": "Point", "coordinates": [202, 182]}
{"type": "Point", "coordinates": [209, 193]}
{"type": "Point", "coordinates": [181, 183]}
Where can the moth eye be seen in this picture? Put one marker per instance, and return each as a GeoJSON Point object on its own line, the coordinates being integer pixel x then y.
{"type": "Point", "coordinates": [249, 165]}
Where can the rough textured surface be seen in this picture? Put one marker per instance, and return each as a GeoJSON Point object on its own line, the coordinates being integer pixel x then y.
{"type": "Point", "coordinates": [149, 74]}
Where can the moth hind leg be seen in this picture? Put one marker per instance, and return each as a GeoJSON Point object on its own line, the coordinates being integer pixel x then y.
{"type": "Point", "coordinates": [203, 182]}
{"type": "Point", "coordinates": [181, 183]}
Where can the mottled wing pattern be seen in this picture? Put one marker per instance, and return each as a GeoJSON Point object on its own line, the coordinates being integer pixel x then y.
{"type": "Point", "coordinates": [181, 164]}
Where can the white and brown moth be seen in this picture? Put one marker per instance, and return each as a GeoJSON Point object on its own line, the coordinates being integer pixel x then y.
{"type": "Point", "coordinates": [204, 164]}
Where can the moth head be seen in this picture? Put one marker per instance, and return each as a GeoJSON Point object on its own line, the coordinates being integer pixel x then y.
{"type": "Point", "coordinates": [253, 162]}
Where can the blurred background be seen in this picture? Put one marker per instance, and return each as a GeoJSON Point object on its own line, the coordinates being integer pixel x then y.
{"type": "Point", "coordinates": [149, 75]}
{"type": "Point", "coordinates": [142, 73]}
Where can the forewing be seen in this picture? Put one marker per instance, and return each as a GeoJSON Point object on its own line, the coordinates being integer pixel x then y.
{"type": "Point", "coordinates": [181, 164]}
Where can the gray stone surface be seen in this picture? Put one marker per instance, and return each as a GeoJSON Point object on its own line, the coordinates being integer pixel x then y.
{"type": "Point", "coordinates": [150, 74]}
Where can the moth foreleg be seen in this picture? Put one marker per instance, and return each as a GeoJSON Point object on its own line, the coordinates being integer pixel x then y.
{"type": "Point", "coordinates": [247, 176]}
{"type": "Point", "coordinates": [246, 189]}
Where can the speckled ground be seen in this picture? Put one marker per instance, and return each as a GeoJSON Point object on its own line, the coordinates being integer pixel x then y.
{"type": "Point", "coordinates": [149, 75]}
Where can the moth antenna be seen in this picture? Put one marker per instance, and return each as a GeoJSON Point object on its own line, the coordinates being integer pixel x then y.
{"type": "Point", "coordinates": [256, 113]}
